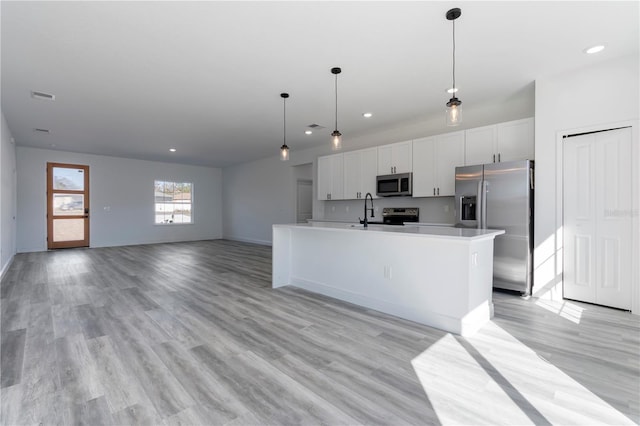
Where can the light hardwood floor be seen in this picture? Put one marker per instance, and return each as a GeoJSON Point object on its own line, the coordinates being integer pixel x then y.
{"type": "Point", "coordinates": [192, 333]}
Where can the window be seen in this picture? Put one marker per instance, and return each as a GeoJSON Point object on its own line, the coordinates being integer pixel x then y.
{"type": "Point", "coordinates": [173, 201]}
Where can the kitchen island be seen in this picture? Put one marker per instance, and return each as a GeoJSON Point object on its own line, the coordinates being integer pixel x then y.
{"type": "Point", "coordinates": [434, 275]}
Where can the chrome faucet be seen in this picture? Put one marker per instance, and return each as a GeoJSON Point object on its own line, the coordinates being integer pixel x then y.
{"type": "Point", "coordinates": [366, 224]}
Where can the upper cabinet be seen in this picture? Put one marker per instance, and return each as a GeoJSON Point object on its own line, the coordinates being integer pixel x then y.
{"type": "Point", "coordinates": [395, 158]}
{"type": "Point", "coordinates": [480, 145]}
{"type": "Point", "coordinates": [360, 170]}
{"type": "Point", "coordinates": [331, 177]}
{"type": "Point", "coordinates": [516, 140]}
{"type": "Point", "coordinates": [513, 140]}
{"type": "Point", "coordinates": [434, 162]}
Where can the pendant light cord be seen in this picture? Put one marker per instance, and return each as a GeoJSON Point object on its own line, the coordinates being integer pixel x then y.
{"type": "Point", "coordinates": [454, 58]}
{"type": "Point", "coordinates": [336, 102]}
{"type": "Point", "coordinates": [284, 121]}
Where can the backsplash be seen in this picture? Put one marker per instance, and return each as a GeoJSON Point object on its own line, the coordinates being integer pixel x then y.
{"type": "Point", "coordinates": [432, 210]}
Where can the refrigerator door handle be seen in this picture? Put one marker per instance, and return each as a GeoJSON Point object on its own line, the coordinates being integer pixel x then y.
{"type": "Point", "coordinates": [531, 184]}
{"type": "Point", "coordinates": [483, 217]}
{"type": "Point", "coordinates": [480, 203]}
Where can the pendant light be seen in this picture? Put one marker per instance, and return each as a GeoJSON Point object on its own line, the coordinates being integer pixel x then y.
{"type": "Point", "coordinates": [336, 136]}
{"type": "Point", "coordinates": [454, 106]}
{"type": "Point", "coordinates": [284, 149]}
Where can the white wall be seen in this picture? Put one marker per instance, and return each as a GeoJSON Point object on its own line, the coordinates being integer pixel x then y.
{"type": "Point", "coordinates": [7, 197]}
{"type": "Point", "coordinates": [600, 96]}
{"type": "Point", "coordinates": [259, 194]}
{"type": "Point", "coordinates": [125, 187]}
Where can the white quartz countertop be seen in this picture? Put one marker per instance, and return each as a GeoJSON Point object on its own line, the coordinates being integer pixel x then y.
{"type": "Point", "coordinates": [447, 232]}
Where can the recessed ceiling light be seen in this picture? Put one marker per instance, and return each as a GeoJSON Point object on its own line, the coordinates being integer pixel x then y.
{"type": "Point", "coordinates": [172, 150]}
{"type": "Point", "coordinates": [594, 49]}
{"type": "Point", "coordinates": [367, 115]}
{"type": "Point", "coordinates": [52, 145]}
{"type": "Point", "coordinates": [452, 89]}
{"type": "Point", "coordinates": [308, 132]}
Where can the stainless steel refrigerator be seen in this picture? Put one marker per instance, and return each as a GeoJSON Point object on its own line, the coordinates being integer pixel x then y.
{"type": "Point", "coordinates": [500, 196]}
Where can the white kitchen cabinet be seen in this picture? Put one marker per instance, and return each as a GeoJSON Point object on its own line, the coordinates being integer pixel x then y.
{"type": "Point", "coordinates": [360, 170]}
{"type": "Point", "coordinates": [395, 158]}
{"type": "Point", "coordinates": [515, 140]}
{"type": "Point", "coordinates": [434, 162]}
{"type": "Point", "coordinates": [509, 141]}
{"type": "Point", "coordinates": [331, 177]}
{"type": "Point", "coordinates": [480, 145]}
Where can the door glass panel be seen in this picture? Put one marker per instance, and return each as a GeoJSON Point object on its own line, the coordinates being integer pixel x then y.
{"type": "Point", "coordinates": [68, 204]}
{"type": "Point", "coordinates": [68, 230]}
{"type": "Point", "coordinates": [66, 178]}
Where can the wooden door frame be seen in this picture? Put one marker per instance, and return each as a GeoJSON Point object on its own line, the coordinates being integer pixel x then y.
{"type": "Point", "coordinates": [84, 215]}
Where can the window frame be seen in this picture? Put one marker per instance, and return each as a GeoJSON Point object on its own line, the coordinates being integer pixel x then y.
{"type": "Point", "coordinates": [191, 203]}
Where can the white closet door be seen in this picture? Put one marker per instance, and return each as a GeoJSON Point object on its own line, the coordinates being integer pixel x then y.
{"type": "Point", "coordinates": [597, 218]}
{"type": "Point", "coordinates": [613, 216]}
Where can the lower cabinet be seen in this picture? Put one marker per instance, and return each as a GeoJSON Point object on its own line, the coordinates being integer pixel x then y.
{"type": "Point", "coordinates": [434, 163]}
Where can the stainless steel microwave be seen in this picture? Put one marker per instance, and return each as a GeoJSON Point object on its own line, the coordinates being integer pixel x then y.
{"type": "Point", "coordinates": [400, 184]}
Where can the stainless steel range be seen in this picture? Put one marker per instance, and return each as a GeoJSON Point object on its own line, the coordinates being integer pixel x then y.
{"type": "Point", "coordinates": [397, 216]}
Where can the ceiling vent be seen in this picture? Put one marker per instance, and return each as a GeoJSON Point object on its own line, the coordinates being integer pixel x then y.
{"type": "Point", "coordinates": [43, 96]}
{"type": "Point", "coordinates": [42, 131]}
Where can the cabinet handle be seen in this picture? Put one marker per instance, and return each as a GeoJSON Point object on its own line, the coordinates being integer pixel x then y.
{"type": "Point", "coordinates": [328, 196]}
{"type": "Point", "coordinates": [498, 157]}
{"type": "Point", "coordinates": [434, 191]}
{"type": "Point", "coordinates": [438, 191]}
{"type": "Point", "coordinates": [494, 158]}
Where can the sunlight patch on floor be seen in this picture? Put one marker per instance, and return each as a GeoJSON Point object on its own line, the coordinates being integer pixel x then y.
{"type": "Point", "coordinates": [492, 378]}
{"type": "Point", "coordinates": [566, 310]}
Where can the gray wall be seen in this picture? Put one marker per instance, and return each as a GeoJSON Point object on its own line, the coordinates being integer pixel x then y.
{"type": "Point", "coordinates": [7, 197]}
{"type": "Point", "coordinates": [258, 194]}
{"type": "Point", "coordinates": [125, 187]}
{"type": "Point", "coordinates": [599, 96]}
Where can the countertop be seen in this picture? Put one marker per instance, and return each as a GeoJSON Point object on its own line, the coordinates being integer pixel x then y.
{"type": "Point", "coordinates": [420, 230]}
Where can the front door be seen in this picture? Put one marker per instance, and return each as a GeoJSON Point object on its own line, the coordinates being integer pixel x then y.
{"type": "Point", "coordinates": [67, 205]}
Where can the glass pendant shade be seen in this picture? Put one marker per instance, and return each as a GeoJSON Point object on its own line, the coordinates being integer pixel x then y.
{"type": "Point", "coordinates": [336, 140]}
{"type": "Point", "coordinates": [454, 112]}
{"type": "Point", "coordinates": [284, 153]}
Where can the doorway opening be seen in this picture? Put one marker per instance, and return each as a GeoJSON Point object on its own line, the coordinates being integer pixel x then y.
{"type": "Point", "coordinates": [303, 175]}
{"type": "Point", "coordinates": [67, 205]}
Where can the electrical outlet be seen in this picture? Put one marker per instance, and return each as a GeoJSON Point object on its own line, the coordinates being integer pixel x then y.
{"type": "Point", "coordinates": [446, 208]}
{"type": "Point", "coordinates": [347, 209]}
{"type": "Point", "coordinates": [387, 272]}
{"type": "Point", "coordinates": [333, 208]}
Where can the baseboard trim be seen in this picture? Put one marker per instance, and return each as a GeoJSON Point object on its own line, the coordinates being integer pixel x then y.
{"type": "Point", "coordinates": [6, 267]}
{"type": "Point", "coordinates": [249, 240]}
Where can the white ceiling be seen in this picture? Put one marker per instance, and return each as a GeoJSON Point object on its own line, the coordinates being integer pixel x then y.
{"type": "Point", "coordinates": [133, 79]}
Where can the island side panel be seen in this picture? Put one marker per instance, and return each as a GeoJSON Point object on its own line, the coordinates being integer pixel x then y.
{"type": "Point", "coordinates": [281, 256]}
{"type": "Point", "coordinates": [422, 279]}
{"type": "Point", "coordinates": [480, 296]}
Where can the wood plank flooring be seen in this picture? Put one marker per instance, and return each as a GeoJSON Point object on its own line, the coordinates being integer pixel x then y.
{"type": "Point", "coordinates": [192, 333]}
